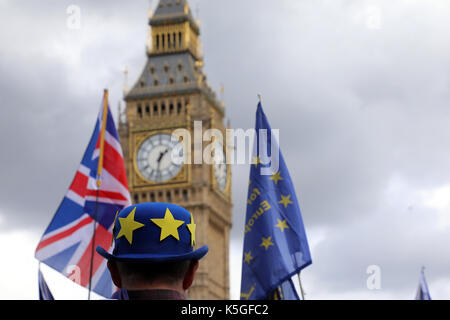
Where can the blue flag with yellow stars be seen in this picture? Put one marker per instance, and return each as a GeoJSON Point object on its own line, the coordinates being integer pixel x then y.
{"type": "Point", "coordinates": [275, 243]}
{"type": "Point", "coordinates": [422, 292]}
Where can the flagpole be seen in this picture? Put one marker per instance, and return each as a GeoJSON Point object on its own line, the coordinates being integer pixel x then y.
{"type": "Point", "coordinates": [301, 286]}
{"type": "Point", "coordinates": [98, 183]}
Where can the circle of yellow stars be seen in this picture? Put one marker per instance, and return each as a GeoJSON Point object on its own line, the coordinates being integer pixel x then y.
{"type": "Point", "coordinates": [282, 224]}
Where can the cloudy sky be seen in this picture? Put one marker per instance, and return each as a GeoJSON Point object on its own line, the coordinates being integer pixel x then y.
{"type": "Point", "coordinates": [360, 90]}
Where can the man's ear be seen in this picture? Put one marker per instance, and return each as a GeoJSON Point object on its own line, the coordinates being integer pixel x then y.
{"type": "Point", "coordinates": [115, 274]}
{"type": "Point", "coordinates": [190, 274]}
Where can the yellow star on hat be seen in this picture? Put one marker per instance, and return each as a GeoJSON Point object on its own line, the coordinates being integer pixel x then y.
{"type": "Point", "coordinates": [192, 226]}
{"type": "Point", "coordinates": [128, 225]}
{"type": "Point", "coordinates": [169, 226]}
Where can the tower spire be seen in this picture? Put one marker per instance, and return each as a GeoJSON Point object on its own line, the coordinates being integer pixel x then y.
{"type": "Point", "coordinates": [175, 55]}
{"type": "Point", "coordinates": [197, 14]}
{"type": "Point", "coordinates": [125, 81]}
{"type": "Point", "coordinates": [174, 29]}
{"type": "Point", "coordinates": [150, 9]}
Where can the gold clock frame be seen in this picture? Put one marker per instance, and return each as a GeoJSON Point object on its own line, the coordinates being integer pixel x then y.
{"type": "Point", "coordinates": [138, 180]}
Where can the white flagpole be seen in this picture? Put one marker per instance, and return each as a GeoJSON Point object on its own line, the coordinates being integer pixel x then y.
{"type": "Point", "coordinates": [301, 286]}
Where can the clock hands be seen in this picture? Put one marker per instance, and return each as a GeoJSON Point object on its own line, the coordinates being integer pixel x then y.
{"type": "Point", "coordinates": [161, 156]}
{"type": "Point", "coordinates": [154, 158]}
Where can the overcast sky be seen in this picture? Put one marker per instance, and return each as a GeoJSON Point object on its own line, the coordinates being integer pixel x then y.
{"type": "Point", "coordinates": [360, 90]}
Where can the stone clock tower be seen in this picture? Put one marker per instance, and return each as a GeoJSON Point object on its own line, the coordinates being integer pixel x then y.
{"type": "Point", "coordinates": [172, 93]}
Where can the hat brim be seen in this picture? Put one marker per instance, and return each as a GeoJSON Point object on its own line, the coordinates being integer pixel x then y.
{"type": "Point", "coordinates": [156, 258]}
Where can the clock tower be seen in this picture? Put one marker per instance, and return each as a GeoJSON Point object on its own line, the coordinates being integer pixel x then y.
{"type": "Point", "coordinates": [172, 93]}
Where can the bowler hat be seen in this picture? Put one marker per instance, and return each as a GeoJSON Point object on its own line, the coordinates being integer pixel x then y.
{"type": "Point", "coordinates": [154, 232]}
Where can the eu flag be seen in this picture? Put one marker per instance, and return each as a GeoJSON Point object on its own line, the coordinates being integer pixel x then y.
{"type": "Point", "coordinates": [275, 243]}
{"type": "Point", "coordinates": [422, 292]}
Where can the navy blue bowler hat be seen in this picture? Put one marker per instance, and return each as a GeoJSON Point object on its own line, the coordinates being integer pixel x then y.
{"type": "Point", "coordinates": [154, 232]}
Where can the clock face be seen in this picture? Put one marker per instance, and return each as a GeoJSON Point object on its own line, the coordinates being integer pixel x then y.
{"type": "Point", "coordinates": [220, 167]}
{"type": "Point", "coordinates": [160, 157]}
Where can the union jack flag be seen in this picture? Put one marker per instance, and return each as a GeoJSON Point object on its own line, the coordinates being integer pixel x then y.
{"type": "Point", "coordinates": [67, 244]}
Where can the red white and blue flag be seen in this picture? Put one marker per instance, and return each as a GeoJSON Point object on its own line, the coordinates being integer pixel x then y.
{"type": "Point", "coordinates": [67, 244]}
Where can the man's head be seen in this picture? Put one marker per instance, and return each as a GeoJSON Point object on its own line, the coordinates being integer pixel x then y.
{"type": "Point", "coordinates": [154, 247]}
{"type": "Point", "coordinates": [177, 276]}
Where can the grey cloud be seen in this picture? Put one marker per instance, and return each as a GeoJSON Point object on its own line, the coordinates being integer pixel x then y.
{"type": "Point", "coordinates": [356, 107]}
{"type": "Point", "coordinates": [398, 241]}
